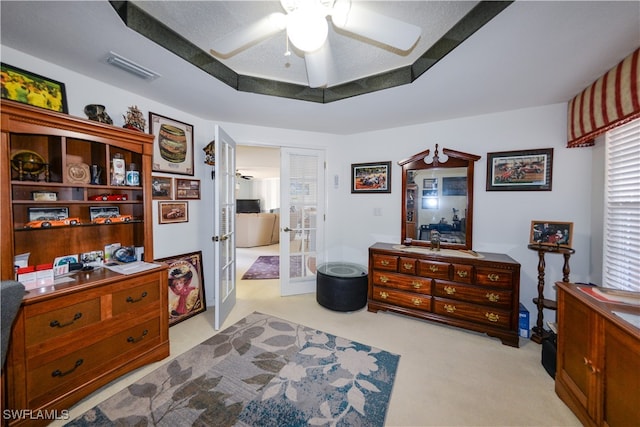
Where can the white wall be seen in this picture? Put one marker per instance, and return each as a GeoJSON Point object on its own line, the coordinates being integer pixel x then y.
{"type": "Point", "coordinates": [501, 219]}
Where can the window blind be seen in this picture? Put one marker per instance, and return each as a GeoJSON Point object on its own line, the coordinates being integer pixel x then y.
{"type": "Point", "coordinates": [621, 264]}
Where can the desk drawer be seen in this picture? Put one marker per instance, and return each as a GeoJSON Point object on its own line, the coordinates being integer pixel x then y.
{"type": "Point", "coordinates": [52, 324]}
{"type": "Point", "coordinates": [72, 370]}
{"type": "Point", "coordinates": [136, 297]}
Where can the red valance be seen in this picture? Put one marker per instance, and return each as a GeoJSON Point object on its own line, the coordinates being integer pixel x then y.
{"type": "Point", "coordinates": [610, 101]}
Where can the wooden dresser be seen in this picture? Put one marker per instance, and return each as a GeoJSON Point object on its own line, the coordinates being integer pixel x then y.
{"type": "Point", "coordinates": [476, 293]}
{"type": "Point", "coordinates": [598, 371]}
{"type": "Point", "coordinates": [72, 337]}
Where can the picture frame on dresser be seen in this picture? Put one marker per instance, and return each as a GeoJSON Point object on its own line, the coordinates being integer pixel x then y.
{"type": "Point", "coordinates": [45, 92]}
{"type": "Point", "coordinates": [523, 170]}
{"type": "Point", "coordinates": [173, 145]}
{"type": "Point", "coordinates": [186, 286]}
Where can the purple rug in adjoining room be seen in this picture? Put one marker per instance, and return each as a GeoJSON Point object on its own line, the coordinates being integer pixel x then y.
{"type": "Point", "coordinates": [268, 267]}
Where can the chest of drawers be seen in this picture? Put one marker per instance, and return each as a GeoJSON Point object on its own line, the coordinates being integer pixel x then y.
{"type": "Point", "coordinates": [479, 293]}
{"type": "Point", "coordinates": [71, 340]}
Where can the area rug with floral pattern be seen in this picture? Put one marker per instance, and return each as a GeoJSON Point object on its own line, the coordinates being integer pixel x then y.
{"type": "Point", "coordinates": [260, 371]}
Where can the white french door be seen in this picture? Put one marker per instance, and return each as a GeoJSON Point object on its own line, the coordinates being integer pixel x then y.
{"type": "Point", "coordinates": [302, 210]}
{"type": "Point", "coordinates": [224, 239]}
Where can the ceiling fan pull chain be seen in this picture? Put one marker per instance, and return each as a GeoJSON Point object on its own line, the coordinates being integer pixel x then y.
{"type": "Point", "coordinates": [287, 52]}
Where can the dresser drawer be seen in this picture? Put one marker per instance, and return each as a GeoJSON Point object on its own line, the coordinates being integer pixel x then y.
{"type": "Point", "coordinates": [434, 269]}
{"type": "Point", "coordinates": [398, 281]}
{"type": "Point", "coordinates": [136, 297]}
{"type": "Point", "coordinates": [462, 273]}
{"type": "Point", "coordinates": [475, 294]}
{"type": "Point", "coordinates": [476, 313]}
{"type": "Point", "coordinates": [385, 262]}
{"type": "Point", "coordinates": [494, 277]}
{"type": "Point", "coordinates": [73, 369]}
{"type": "Point", "coordinates": [404, 299]}
{"type": "Point", "coordinates": [57, 322]}
{"type": "Point", "coordinates": [407, 265]}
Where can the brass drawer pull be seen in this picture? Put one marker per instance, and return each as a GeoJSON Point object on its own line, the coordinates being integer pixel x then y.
{"type": "Point", "coordinates": [416, 301]}
{"type": "Point", "coordinates": [450, 290]}
{"type": "Point", "coordinates": [462, 273]}
{"type": "Point", "coordinates": [384, 279]}
{"type": "Point", "coordinates": [384, 262]}
{"type": "Point", "coordinates": [416, 285]}
{"type": "Point", "coordinates": [59, 373]}
{"type": "Point", "coordinates": [493, 277]}
{"type": "Point", "coordinates": [57, 324]}
{"type": "Point", "coordinates": [433, 268]}
{"type": "Point", "coordinates": [384, 295]}
{"type": "Point", "coordinates": [135, 340]}
{"type": "Point", "coordinates": [492, 317]}
{"type": "Point", "coordinates": [130, 299]}
{"type": "Point", "coordinates": [407, 266]}
{"type": "Point", "coordinates": [450, 308]}
{"type": "Point", "coordinates": [493, 297]}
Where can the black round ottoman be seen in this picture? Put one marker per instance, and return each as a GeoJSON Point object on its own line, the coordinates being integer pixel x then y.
{"type": "Point", "coordinates": [341, 286]}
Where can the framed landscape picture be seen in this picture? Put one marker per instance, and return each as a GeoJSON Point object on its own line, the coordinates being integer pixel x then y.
{"type": "Point", "coordinates": [186, 286]}
{"type": "Point", "coordinates": [187, 189]}
{"type": "Point", "coordinates": [173, 145]}
{"type": "Point", "coordinates": [371, 177]}
{"type": "Point", "coordinates": [520, 170]}
{"type": "Point", "coordinates": [551, 233]}
{"type": "Point", "coordinates": [33, 89]}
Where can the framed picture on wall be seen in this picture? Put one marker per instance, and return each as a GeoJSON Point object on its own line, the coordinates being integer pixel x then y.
{"type": "Point", "coordinates": [371, 177]}
{"type": "Point", "coordinates": [173, 145]}
{"type": "Point", "coordinates": [161, 187]}
{"type": "Point", "coordinates": [520, 170]}
{"type": "Point", "coordinates": [33, 89]}
{"type": "Point", "coordinates": [173, 212]}
{"type": "Point", "coordinates": [187, 189]}
{"type": "Point", "coordinates": [186, 286]}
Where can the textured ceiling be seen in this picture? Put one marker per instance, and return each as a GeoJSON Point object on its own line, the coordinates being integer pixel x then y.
{"type": "Point", "coordinates": [354, 57]}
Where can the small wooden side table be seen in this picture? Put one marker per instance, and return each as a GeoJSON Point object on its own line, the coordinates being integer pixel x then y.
{"type": "Point", "coordinates": [538, 331]}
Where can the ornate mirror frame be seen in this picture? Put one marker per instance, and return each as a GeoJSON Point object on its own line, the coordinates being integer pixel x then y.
{"type": "Point", "coordinates": [411, 228]}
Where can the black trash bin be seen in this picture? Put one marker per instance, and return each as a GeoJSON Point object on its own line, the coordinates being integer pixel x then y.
{"type": "Point", "coordinates": [341, 286]}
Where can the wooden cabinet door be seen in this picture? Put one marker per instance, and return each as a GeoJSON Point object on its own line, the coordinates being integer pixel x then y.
{"type": "Point", "coordinates": [621, 375]}
{"type": "Point", "coordinates": [577, 328]}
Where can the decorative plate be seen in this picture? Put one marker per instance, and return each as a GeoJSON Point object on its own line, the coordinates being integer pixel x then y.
{"type": "Point", "coordinates": [78, 173]}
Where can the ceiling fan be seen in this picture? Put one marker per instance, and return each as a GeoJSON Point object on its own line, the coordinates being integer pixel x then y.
{"type": "Point", "coordinates": [305, 22]}
{"type": "Point", "coordinates": [241, 175]}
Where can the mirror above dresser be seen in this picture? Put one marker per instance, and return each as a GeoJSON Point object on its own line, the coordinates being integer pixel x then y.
{"type": "Point", "coordinates": [437, 199]}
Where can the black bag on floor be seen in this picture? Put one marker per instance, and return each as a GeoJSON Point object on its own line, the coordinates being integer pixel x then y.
{"type": "Point", "coordinates": [549, 350]}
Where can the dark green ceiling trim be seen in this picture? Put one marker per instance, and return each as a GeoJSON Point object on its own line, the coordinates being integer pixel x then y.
{"type": "Point", "coordinates": [146, 25]}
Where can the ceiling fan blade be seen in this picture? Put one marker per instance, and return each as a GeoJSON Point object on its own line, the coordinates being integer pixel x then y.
{"type": "Point", "coordinates": [317, 64]}
{"type": "Point", "coordinates": [248, 35]}
{"type": "Point", "coordinates": [381, 28]}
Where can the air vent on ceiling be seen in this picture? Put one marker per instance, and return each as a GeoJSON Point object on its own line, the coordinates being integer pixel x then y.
{"type": "Point", "coordinates": [131, 67]}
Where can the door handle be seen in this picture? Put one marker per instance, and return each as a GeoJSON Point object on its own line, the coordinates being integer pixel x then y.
{"type": "Point", "coordinates": [287, 229]}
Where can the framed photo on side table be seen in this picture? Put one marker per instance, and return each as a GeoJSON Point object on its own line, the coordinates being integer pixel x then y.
{"type": "Point", "coordinates": [520, 170]}
{"type": "Point", "coordinates": [186, 286]}
{"type": "Point", "coordinates": [173, 145]}
{"type": "Point", "coordinates": [551, 233]}
{"type": "Point", "coordinates": [371, 177]}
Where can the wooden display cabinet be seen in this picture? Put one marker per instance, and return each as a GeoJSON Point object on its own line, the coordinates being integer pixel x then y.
{"type": "Point", "coordinates": [73, 337]}
{"type": "Point", "coordinates": [598, 371]}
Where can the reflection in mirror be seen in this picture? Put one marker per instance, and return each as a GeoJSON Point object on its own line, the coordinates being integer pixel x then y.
{"type": "Point", "coordinates": [438, 199]}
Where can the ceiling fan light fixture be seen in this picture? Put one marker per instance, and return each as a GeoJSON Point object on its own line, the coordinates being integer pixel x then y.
{"type": "Point", "coordinates": [307, 28]}
{"type": "Point", "coordinates": [340, 12]}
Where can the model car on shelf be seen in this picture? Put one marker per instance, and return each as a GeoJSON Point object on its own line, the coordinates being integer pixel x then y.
{"type": "Point", "coordinates": [46, 222]}
{"type": "Point", "coordinates": [112, 218]}
{"type": "Point", "coordinates": [109, 197]}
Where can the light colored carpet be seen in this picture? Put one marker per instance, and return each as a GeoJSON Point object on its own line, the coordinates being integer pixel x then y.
{"type": "Point", "coordinates": [446, 377]}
